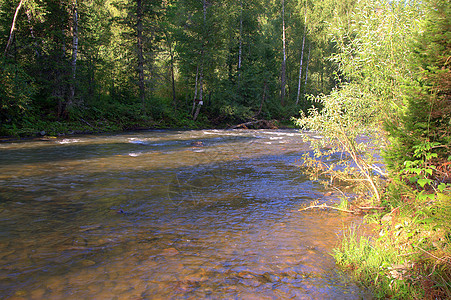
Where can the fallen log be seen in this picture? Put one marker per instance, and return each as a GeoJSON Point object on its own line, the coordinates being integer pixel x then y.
{"type": "Point", "coordinates": [259, 123]}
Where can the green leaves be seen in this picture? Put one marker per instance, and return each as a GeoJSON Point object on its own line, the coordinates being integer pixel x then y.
{"type": "Point", "coordinates": [423, 181]}
{"type": "Point", "coordinates": [443, 186]}
{"type": "Point", "coordinates": [421, 167]}
{"type": "Point", "coordinates": [424, 149]}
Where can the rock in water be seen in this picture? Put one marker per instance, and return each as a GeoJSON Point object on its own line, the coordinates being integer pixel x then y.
{"type": "Point", "coordinates": [170, 252]}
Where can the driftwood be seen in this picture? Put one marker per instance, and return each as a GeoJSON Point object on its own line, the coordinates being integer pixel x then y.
{"type": "Point", "coordinates": [322, 206]}
{"type": "Point", "coordinates": [259, 123]}
{"type": "Point", "coordinates": [355, 211]}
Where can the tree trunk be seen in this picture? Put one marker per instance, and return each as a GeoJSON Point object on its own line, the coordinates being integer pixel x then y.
{"type": "Point", "coordinates": [306, 71]}
{"type": "Point", "coordinates": [174, 96]}
{"type": "Point", "coordinates": [139, 33]}
{"type": "Point", "coordinates": [240, 49]}
{"type": "Point", "coordinates": [240, 52]}
{"type": "Point", "coordinates": [61, 76]}
{"type": "Point", "coordinates": [201, 75]}
{"type": "Point", "coordinates": [302, 55]}
{"type": "Point", "coordinates": [171, 53]}
{"type": "Point", "coordinates": [91, 79]}
{"type": "Point", "coordinates": [322, 78]}
{"type": "Point", "coordinates": [74, 55]}
{"type": "Point", "coordinates": [201, 90]}
{"type": "Point", "coordinates": [195, 92]}
{"type": "Point", "coordinates": [204, 6]}
{"type": "Point", "coordinates": [300, 69]}
{"type": "Point", "coordinates": [32, 33]}
{"type": "Point", "coordinates": [200, 101]}
{"type": "Point", "coordinates": [265, 86]}
{"type": "Point", "coordinates": [13, 27]}
{"type": "Point", "coordinates": [284, 61]}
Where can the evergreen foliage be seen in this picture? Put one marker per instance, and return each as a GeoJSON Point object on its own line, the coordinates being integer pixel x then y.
{"type": "Point", "coordinates": [426, 117]}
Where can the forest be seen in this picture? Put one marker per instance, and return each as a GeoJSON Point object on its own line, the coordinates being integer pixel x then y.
{"type": "Point", "coordinates": [115, 65]}
{"type": "Point", "coordinates": [372, 70]}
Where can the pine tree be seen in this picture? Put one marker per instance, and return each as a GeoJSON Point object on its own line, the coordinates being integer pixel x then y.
{"type": "Point", "coordinates": [427, 118]}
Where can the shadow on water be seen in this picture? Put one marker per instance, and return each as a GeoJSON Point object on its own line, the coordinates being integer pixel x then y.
{"type": "Point", "coordinates": [201, 221]}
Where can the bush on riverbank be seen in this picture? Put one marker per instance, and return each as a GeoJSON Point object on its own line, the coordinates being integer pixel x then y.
{"type": "Point", "coordinates": [409, 255]}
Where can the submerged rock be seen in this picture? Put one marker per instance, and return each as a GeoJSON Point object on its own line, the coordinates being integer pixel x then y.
{"type": "Point", "coordinates": [197, 144]}
{"type": "Point", "coordinates": [87, 263]}
{"type": "Point", "coordinates": [170, 252]}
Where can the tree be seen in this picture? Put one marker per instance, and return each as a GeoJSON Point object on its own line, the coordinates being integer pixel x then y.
{"type": "Point", "coordinates": [139, 44]}
{"type": "Point", "coordinates": [373, 61]}
{"type": "Point", "coordinates": [283, 78]}
{"type": "Point", "coordinates": [13, 26]}
{"type": "Point", "coordinates": [302, 56]}
{"type": "Point", "coordinates": [74, 53]}
{"type": "Point", "coordinates": [426, 117]}
{"type": "Point", "coordinates": [138, 29]}
{"type": "Point", "coordinates": [168, 29]}
{"type": "Point", "coordinates": [200, 101]}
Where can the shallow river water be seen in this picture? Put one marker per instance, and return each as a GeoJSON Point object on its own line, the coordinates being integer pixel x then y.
{"type": "Point", "coordinates": [206, 214]}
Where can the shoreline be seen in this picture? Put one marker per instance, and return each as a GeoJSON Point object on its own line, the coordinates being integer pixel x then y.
{"type": "Point", "coordinates": [82, 130]}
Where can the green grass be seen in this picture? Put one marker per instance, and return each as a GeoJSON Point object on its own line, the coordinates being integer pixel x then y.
{"type": "Point", "coordinates": [408, 256]}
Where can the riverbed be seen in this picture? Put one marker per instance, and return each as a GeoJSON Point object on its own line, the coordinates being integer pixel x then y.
{"type": "Point", "coordinates": [207, 214]}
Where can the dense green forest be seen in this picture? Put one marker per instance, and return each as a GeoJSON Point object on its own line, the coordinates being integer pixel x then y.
{"type": "Point", "coordinates": [121, 64]}
{"type": "Point", "coordinates": [372, 76]}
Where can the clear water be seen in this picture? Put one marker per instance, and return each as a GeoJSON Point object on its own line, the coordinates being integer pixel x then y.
{"type": "Point", "coordinates": [166, 215]}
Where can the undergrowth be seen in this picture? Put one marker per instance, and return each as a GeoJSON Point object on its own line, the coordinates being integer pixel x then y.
{"type": "Point", "coordinates": [409, 254]}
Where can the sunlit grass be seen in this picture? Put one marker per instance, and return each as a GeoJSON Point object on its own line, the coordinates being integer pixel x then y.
{"type": "Point", "coordinates": [408, 256]}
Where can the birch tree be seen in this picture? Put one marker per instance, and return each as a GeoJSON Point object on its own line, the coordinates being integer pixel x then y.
{"type": "Point", "coordinates": [302, 56]}
{"type": "Point", "coordinates": [283, 76]}
{"type": "Point", "coordinates": [306, 69]}
{"type": "Point", "coordinates": [200, 101]}
{"type": "Point", "coordinates": [13, 26]}
{"type": "Point", "coordinates": [74, 53]}
{"type": "Point", "coordinates": [139, 44]}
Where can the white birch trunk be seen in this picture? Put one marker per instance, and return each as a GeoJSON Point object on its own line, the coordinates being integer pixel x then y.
{"type": "Point", "coordinates": [300, 70]}
{"type": "Point", "coordinates": [74, 53]}
{"type": "Point", "coordinates": [306, 70]}
{"type": "Point", "coordinates": [13, 26]}
{"type": "Point", "coordinates": [284, 62]}
{"type": "Point", "coordinates": [302, 54]}
{"type": "Point", "coordinates": [195, 92]}
{"type": "Point", "coordinates": [139, 42]}
{"type": "Point", "coordinates": [201, 76]}
{"type": "Point", "coordinates": [200, 102]}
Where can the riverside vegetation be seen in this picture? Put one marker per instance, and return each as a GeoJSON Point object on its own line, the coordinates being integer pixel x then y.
{"type": "Point", "coordinates": [375, 73]}
{"type": "Point", "coordinates": [396, 99]}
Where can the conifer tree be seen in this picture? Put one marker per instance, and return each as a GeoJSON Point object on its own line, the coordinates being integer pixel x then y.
{"type": "Point", "coordinates": [427, 117]}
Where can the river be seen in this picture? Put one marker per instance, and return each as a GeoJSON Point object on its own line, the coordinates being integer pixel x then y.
{"type": "Point", "coordinates": [207, 214]}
